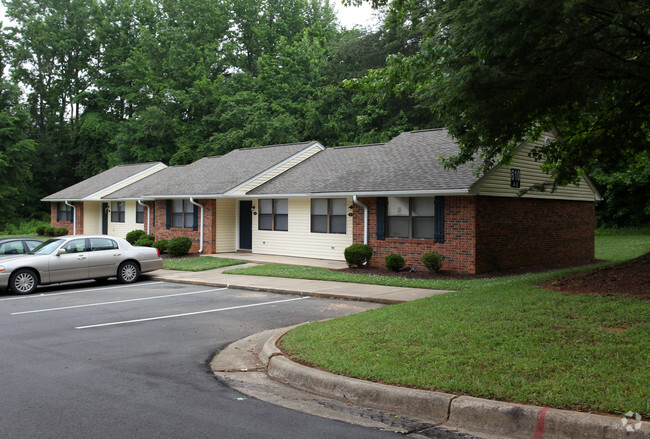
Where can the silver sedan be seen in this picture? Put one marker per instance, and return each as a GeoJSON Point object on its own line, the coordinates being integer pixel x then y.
{"type": "Point", "coordinates": [77, 257]}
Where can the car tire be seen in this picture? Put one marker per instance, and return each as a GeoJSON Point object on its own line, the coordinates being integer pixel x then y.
{"type": "Point", "coordinates": [23, 281]}
{"type": "Point", "coordinates": [128, 272]}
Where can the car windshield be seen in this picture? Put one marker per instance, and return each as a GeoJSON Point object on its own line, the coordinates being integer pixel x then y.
{"type": "Point", "coordinates": [47, 247]}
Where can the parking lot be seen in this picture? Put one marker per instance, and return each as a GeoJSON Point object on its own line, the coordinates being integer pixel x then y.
{"type": "Point", "coordinates": [110, 360]}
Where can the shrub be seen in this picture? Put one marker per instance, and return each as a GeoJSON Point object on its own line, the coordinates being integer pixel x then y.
{"type": "Point", "coordinates": [59, 231]}
{"type": "Point", "coordinates": [145, 241]}
{"type": "Point", "coordinates": [179, 246]}
{"type": "Point", "coordinates": [49, 231]}
{"type": "Point", "coordinates": [134, 235]}
{"type": "Point", "coordinates": [395, 262]}
{"type": "Point", "coordinates": [40, 230]}
{"type": "Point", "coordinates": [358, 254]}
{"type": "Point", "coordinates": [433, 261]}
{"type": "Point", "coordinates": [161, 245]}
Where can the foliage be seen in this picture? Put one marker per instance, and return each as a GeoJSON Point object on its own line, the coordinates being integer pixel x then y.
{"type": "Point", "coordinates": [624, 187]}
{"type": "Point", "coordinates": [31, 227]}
{"type": "Point", "coordinates": [56, 231]}
{"type": "Point", "coordinates": [134, 235]}
{"type": "Point", "coordinates": [179, 246]}
{"type": "Point", "coordinates": [433, 261]}
{"type": "Point", "coordinates": [358, 255]}
{"type": "Point", "coordinates": [145, 241]}
{"type": "Point", "coordinates": [395, 262]}
{"type": "Point", "coordinates": [161, 245]}
{"type": "Point", "coordinates": [578, 66]}
{"type": "Point", "coordinates": [201, 263]}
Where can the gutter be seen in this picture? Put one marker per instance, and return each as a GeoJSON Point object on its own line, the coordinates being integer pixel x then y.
{"type": "Point", "coordinates": [365, 218]}
{"type": "Point", "coordinates": [148, 214]}
{"type": "Point", "coordinates": [201, 207]}
{"type": "Point", "coordinates": [74, 217]}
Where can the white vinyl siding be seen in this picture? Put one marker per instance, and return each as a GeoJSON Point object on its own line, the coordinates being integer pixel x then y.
{"type": "Point", "coordinates": [299, 241]}
{"type": "Point", "coordinates": [226, 226]}
{"type": "Point", "coordinates": [121, 229]}
{"type": "Point", "coordinates": [497, 181]}
{"type": "Point", "coordinates": [92, 218]}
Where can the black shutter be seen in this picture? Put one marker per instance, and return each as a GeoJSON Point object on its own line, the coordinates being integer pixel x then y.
{"type": "Point", "coordinates": [169, 214]}
{"type": "Point", "coordinates": [153, 206]}
{"type": "Point", "coordinates": [58, 212]}
{"type": "Point", "coordinates": [195, 224]}
{"type": "Point", "coordinates": [439, 223]}
{"type": "Point", "coordinates": [381, 218]}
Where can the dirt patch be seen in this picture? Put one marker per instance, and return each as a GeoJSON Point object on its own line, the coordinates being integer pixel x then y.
{"type": "Point", "coordinates": [631, 278]}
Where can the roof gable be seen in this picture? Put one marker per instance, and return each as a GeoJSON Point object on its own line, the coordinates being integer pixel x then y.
{"type": "Point", "coordinates": [107, 181]}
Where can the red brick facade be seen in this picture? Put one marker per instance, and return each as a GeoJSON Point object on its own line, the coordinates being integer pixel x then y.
{"type": "Point", "coordinates": [491, 233]}
{"type": "Point", "coordinates": [79, 216]}
{"type": "Point", "coordinates": [160, 231]}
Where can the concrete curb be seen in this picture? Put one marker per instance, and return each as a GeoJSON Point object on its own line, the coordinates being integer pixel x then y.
{"type": "Point", "coordinates": [477, 415]}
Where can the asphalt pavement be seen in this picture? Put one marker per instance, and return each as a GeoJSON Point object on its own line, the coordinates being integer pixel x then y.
{"type": "Point", "coordinates": [255, 365]}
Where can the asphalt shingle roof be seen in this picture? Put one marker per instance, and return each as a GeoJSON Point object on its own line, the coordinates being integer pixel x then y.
{"type": "Point", "coordinates": [409, 162]}
{"type": "Point", "coordinates": [211, 175]}
{"type": "Point", "coordinates": [100, 182]}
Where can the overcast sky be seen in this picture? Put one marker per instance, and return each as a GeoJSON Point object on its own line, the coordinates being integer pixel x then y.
{"type": "Point", "coordinates": [348, 16]}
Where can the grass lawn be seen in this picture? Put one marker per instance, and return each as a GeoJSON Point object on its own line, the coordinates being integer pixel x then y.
{"type": "Point", "coordinates": [498, 338]}
{"type": "Point", "coordinates": [198, 264]}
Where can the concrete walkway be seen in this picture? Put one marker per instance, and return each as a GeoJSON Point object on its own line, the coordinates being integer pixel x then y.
{"type": "Point", "coordinates": [298, 287]}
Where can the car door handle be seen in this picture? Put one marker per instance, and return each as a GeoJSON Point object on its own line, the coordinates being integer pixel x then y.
{"type": "Point", "coordinates": [117, 254]}
{"type": "Point", "coordinates": [81, 257]}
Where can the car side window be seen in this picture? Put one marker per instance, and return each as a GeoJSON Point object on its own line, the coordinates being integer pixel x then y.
{"type": "Point", "coordinates": [31, 245]}
{"type": "Point", "coordinates": [97, 244]}
{"type": "Point", "coordinates": [12, 248]}
{"type": "Point", "coordinates": [75, 246]}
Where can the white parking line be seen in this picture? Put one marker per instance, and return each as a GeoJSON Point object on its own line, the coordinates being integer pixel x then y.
{"type": "Point", "coordinates": [117, 301]}
{"type": "Point", "coordinates": [36, 296]}
{"type": "Point", "coordinates": [171, 316]}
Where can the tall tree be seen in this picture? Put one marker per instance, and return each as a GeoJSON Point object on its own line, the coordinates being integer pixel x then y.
{"type": "Point", "coordinates": [498, 72]}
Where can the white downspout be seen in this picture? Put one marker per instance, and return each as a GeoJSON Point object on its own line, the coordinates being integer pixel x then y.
{"type": "Point", "coordinates": [365, 218]}
{"type": "Point", "coordinates": [74, 217]}
{"type": "Point", "coordinates": [201, 207]}
{"type": "Point", "coordinates": [148, 215]}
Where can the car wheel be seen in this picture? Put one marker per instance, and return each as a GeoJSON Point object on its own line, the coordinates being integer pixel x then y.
{"type": "Point", "coordinates": [23, 282]}
{"type": "Point", "coordinates": [128, 272]}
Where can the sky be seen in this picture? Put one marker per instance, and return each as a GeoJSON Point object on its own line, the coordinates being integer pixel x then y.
{"type": "Point", "coordinates": [349, 16]}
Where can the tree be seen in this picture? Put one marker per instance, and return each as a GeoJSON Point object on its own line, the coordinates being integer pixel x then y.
{"type": "Point", "coordinates": [499, 72]}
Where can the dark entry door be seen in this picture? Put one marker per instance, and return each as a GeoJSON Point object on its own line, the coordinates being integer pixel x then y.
{"type": "Point", "coordinates": [104, 218]}
{"type": "Point", "coordinates": [245, 225]}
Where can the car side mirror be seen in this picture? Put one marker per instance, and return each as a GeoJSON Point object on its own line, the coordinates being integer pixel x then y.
{"type": "Point", "coordinates": [61, 251]}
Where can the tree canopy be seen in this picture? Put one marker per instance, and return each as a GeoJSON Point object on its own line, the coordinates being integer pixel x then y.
{"type": "Point", "coordinates": [499, 72]}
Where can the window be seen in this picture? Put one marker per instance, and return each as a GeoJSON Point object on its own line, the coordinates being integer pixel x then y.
{"type": "Point", "coordinates": [182, 214]}
{"type": "Point", "coordinates": [328, 215]}
{"type": "Point", "coordinates": [12, 248]}
{"type": "Point", "coordinates": [118, 212]}
{"type": "Point", "coordinates": [75, 246]}
{"type": "Point", "coordinates": [139, 213]}
{"type": "Point", "coordinates": [97, 244]}
{"type": "Point", "coordinates": [411, 217]}
{"type": "Point", "coordinates": [65, 212]}
{"type": "Point", "coordinates": [274, 215]}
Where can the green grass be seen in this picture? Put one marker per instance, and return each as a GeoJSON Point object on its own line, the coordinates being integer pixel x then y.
{"type": "Point", "coordinates": [199, 264]}
{"type": "Point", "coordinates": [499, 338]}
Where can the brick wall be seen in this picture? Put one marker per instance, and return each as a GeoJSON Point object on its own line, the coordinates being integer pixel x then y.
{"type": "Point", "coordinates": [160, 231]}
{"type": "Point", "coordinates": [491, 233]}
{"type": "Point", "coordinates": [79, 215]}
{"type": "Point", "coordinates": [458, 247]}
{"type": "Point", "coordinates": [518, 232]}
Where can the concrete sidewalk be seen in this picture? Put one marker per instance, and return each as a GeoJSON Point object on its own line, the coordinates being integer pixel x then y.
{"type": "Point", "coordinates": [298, 287]}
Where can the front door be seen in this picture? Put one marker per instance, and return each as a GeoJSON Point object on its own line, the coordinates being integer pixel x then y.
{"type": "Point", "coordinates": [245, 225]}
{"type": "Point", "coordinates": [104, 218]}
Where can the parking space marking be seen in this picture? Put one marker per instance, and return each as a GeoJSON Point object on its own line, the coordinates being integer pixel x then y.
{"type": "Point", "coordinates": [117, 301]}
{"type": "Point", "coordinates": [37, 296]}
{"type": "Point", "coordinates": [172, 316]}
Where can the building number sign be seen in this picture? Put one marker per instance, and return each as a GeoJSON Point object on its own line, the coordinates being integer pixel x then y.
{"type": "Point", "coordinates": [515, 178]}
